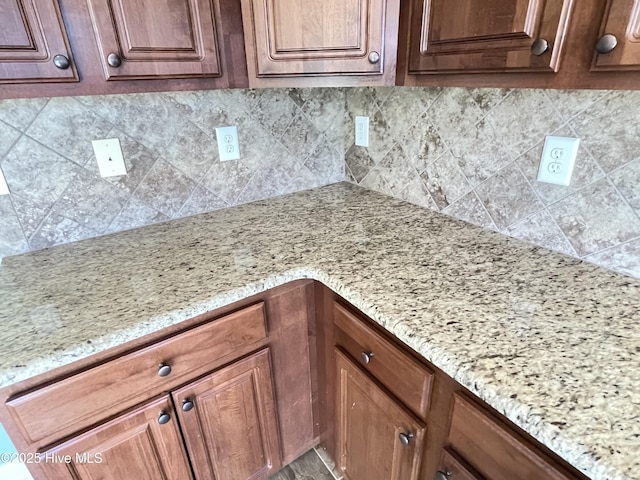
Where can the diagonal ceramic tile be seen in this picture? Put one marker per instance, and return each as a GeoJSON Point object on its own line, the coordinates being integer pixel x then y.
{"type": "Point", "coordinates": [12, 239]}
{"type": "Point", "coordinates": [417, 193]}
{"type": "Point", "coordinates": [67, 127]}
{"type": "Point", "coordinates": [397, 170]}
{"type": "Point", "coordinates": [192, 152]}
{"type": "Point", "coordinates": [454, 113]}
{"type": "Point", "coordinates": [422, 143]}
{"type": "Point", "coordinates": [56, 230]}
{"type": "Point", "coordinates": [19, 113]}
{"type": "Point", "coordinates": [273, 108]}
{"type": "Point", "coordinates": [470, 209]}
{"type": "Point", "coordinates": [267, 182]}
{"type": "Point", "coordinates": [135, 214]}
{"type": "Point", "coordinates": [488, 98]}
{"type": "Point", "coordinates": [202, 201]}
{"type": "Point", "coordinates": [8, 137]}
{"type": "Point", "coordinates": [572, 102]}
{"type": "Point", "coordinates": [541, 229]}
{"type": "Point", "coordinates": [227, 180]}
{"type": "Point", "coordinates": [359, 162]}
{"type": "Point", "coordinates": [445, 181]}
{"type": "Point", "coordinates": [624, 258]}
{"type": "Point", "coordinates": [360, 102]}
{"type": "Point", "coordinates": [627, 180]}
{"type": "Point", "coordinates": [375, 181]}
{"type": "Point", "coordinates": [326, 164]}
{"type": "Point", "coordinates": [257, 144]}
{"type": "Point", "coordinates": [596, 218]}
{"type": "Point", "coordinates": [30, 214]}
{"type": "Point", "coordinates": [301, 137]}
{"type": "Point", "coordinates": [404, 106]}
{"type": "Point", "coordinates": [324, 107]}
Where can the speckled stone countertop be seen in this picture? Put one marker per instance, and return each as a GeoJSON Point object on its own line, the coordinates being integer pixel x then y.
{"type": "Point", "coordinates": [551, 342]}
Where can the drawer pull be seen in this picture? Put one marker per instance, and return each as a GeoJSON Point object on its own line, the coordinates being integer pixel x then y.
{"type": "Point", "coordinates": [187, 405]}
{"type": "Point", "coordinates": [114, 60]}
{"type": "Point", "coordinates": [164, 418]}
{"type": "Point", "coordinates": [606, 44]}
{"type": "Point", "coordinates": [440, 475]}
{"type": "Point", "coordinates": [164, 370]}
{"type": "Point", "coordinates": [61, 62]}
{"type": "Point", "coordinates": [405, 438]}
{"type": "Point", "coordinates": [366, 357]}
{"type": "Point", "coordinates": [540, 47]}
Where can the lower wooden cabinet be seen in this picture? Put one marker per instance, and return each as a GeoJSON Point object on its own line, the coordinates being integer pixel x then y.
{"type": "Point", "coordinates": [376, 437]}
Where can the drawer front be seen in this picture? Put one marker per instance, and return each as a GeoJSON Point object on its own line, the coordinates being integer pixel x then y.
{"type": "Point", "coordinates": [455, 468]}
{"type": "Point", "coordinates": [401, 374]}
{"type": "Point", "coordinates": [81, 400]}
{"type": "Point", "coordinates": [495, 451]}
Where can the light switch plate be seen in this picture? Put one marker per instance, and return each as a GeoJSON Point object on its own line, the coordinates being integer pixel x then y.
{"type": "Point", "coordinates": [109, 157]}
{"type": "Point", "coordinates": [362, 131]}
{"type": "Point", "coordinates": [228, 145]}
{"type": "Point", "coordinates": [558, 159]}
{"type": "Point", "coordinates": [4, 188]}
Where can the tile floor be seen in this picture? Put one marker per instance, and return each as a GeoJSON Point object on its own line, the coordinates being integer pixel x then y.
{"type": "Point", "coordinates": [313, 465]}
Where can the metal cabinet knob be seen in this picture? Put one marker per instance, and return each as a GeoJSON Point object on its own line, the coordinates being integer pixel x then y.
{"type": "Point", "coordinates": [187, 405]}
{"type": "Point", "coordinates": [606, 44]}
{"type": "Point", "coordinates": [164, 370]}
{"type": "Point", "coordinates": [405, 438]}
{"type": "Point", "coordinates": [440, 475]}
{"type": "Point", "coordinates": [540, 47]}
{"type": "Point", "coordinates": [114, 60]}
{"type": "Point", "coordinates": [164, 418]}
{"type": "Point", "coordinates": [61, 62]}
{"type": "Point", "coordinates": [374, 57]}
{"type": "Point", "coordinates": [366, 357]}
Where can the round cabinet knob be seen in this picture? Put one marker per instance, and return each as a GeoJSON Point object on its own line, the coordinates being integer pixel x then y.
{"type": "Point", "coordinates": [440, 475]}
{"type": "Point", "coordinates": [61, 62]}
{"type": "Point", "coordinates": [405, 438]}
{"type": "Point", "coordinates": [187, 405]}
{"type": "Point", "coordinates": [366, 357]}
{"type": "Point", "coordinates": [164, 418]}
{"type": "Point", "coordinates": [374, 57]}
{"type": "Point", "coordinates": [114, 60]}
{"type": "Point", "coordinates": [164, 370]}
{"type": "Point", "coordinates": [540, 47]}
{"type": "Point", "coordinates": [606, 44]}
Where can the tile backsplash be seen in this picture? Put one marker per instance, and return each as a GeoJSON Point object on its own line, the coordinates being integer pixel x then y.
{"type": "Point", "coordinates": [474, 154]}
{"type": "Point", "coordinates": [290, 140]}
{"type": "Point", "coordinates": [469, 153]}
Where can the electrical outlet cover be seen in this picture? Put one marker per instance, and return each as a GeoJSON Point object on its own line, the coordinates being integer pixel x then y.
{"type": "Point", "coordinates": [228, 145]}
{"type": "Point", "coordinates": [362, 131]}
{"type": "Point", "coordinates": [558, 159]}
{"type": "Point", "coordinates": [109, 157]}
{"type": "Point", "coordinates": [4, 188]}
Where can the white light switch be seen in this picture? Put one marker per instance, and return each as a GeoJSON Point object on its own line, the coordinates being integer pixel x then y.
{"type": "Point", "coordinates": [4, 188]}
{"type": "Point", "coordinates": [362, 131]}
{"type": "Point", "coordinates": [228, 145]}
{"type": "Point", "coordinates": [558, 159]}
{"type": "Point", "coordinates": [109, 157]}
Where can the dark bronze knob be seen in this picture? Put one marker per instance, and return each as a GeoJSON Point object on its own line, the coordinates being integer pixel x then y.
{"type": "Point", "coordinates": [366, 357]}
{"type": "Point", "coordinates": [164, 418]}
{"type": "Point", "coordinates": [187, 405]}
{"type": "Point", "coordinates": [405, 438]}
{"type": "Point", "coordinates": [540, 47]}
{"type": "Point", "coordinates": [443, 475]}
{"type": "Point", "coordinates": [164, 370]}
{"type": "Point", "coordinates": [114, 60]}
{"type": "Point", "coordinates": [61, 62]}
{"type": "Point", "coordinates": [606, 44]}
{"type": "Point", "coordinates": [374, 57]}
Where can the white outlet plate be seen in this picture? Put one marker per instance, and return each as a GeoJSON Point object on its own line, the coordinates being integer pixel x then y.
{"type": "Point", "coordinates": [558, 159]}
{"type": "Point", "coordinates": [4, 188]}
{"type": "Point", "coordinates": [109, 157]}
{"type": "Point", "coordinates": [362, 131]}
{"type": "Point", "coordinates": [228, 145]}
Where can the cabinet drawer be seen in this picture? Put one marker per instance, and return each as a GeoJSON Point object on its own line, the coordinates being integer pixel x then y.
{"type": "Point", "coordinates": [455, 468]}
{"type": "Point", "coordinates": [494, 450]}
{"type": "Point", "coordinates": [401, 374]}
{"type": "Point", "coordinates": [81, 400]}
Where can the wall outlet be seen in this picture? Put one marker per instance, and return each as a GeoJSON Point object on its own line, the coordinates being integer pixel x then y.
{"type": "Point", "coordinates": [4, 188]}
{"type": "Point", "coordinates": [558, 159]}
{"type": "Point", "coordinates": [362, 131]}
{"type": "Point", "coordinates": [109, 157]}
{"type": "Point", "coordinates": [228, 145]}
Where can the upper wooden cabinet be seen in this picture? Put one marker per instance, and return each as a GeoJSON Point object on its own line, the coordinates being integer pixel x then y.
{"type": "Point", "coordinates": [343, 38]}
{"type": "Point", "coordinates": [618, 47]}
{"type": "Point", "coordinates": [487, 36]}
{"type": "Point", "coordinates": [33, 43]}
{"type": "Point", "coordinates": [147, 38]}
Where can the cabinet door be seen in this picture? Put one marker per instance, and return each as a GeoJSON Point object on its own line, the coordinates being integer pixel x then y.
{"type": "Point", "coordinates": [376, 437]}
{"type": "Point", "coordinates": [332, 37]}
{"type": "Point", "coordinates": [135, 445]}
{"type": "Point", "coordinates": [482, 36]}
{"type": "Point", "coordinates": [622, 21]}
{"type": "Point", "coordinates": [229, 421]}
{"type": "Point", "coordinates": [32, 35]}
{"type": "Point", "coordinates": [157, 39]}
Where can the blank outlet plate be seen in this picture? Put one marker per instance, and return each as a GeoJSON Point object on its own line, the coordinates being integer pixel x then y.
{"type": "Point", "coordinates": [109, 157]}
{"type": "Point", "coordinates": [4, 188]}
{"type": "Point", "coordinates": [558, 159]}
{"type": "Point", "coordinates": [362, 131]}
{"type": "Point", "coordinates": [228, 145]}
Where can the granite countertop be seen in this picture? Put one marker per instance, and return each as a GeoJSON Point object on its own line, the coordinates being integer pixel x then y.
{"type": "Point", "coordinates": [550, 341]}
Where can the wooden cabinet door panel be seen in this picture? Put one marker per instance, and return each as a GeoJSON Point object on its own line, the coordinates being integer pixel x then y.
{"type": "Point", "coordinates": [332, 37]}
{"type": "Point", "coordinates": [31, 35]}
{"type": "Point", "coordinates": [622, 19]}
{"type": "Point", "coordinates": [231, 432]}
{"type": "Point", "coordinates": [134, 445]}
{"type": "Point", "coordinates": [471, 36]}
{"type": "Point", "coordinates": [159, 39]}
{"type": "Point", "coordinates": [368, 428]}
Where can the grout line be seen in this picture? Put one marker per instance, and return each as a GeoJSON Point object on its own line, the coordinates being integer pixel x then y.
{"type": "Point", "coordinates": [613, 247]}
